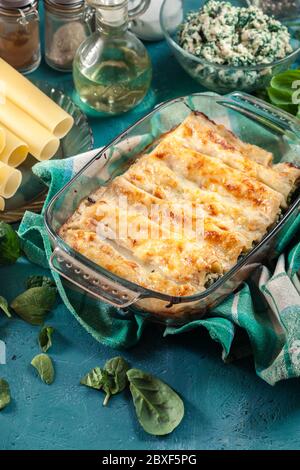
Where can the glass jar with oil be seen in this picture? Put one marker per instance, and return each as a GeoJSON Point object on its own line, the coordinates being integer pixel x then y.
{"type": "Point", "coordinates": [112, 70]}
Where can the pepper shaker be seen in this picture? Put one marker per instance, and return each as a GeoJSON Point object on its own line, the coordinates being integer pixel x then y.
{"type": "Point", "coordinates": [19, 34]}
{"type": "Point", "coordinates": [67, 25]}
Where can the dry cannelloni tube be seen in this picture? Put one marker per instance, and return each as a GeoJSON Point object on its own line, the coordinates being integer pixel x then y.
{"type": "Point", "coordinates": [34, 102]}
{"type": "Point", "coordinates": [10, 180]}
{"type": "Point", "coordinates": [2, 204]}
{"type": "Point", "coordinates": [41, 143]}
{"type": "Point", "coordinates": [15, 150]}
{"type": "Point", "coordinates": [2, 139]}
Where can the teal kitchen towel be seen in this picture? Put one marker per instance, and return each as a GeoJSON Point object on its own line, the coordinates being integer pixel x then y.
{"type": "Point", "coordinates": [267, 307]}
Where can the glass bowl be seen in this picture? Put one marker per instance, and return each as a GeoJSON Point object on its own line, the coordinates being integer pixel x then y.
{"type": "Point", "coordinates": [32, 192]}
{"type": "Point", "coordinates": [281, 9]}
{"type": "Point", "coordinates": [220, 78]}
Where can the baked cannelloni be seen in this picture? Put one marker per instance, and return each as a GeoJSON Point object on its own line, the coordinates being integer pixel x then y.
{"type": "Point", "coordinates": [201, 134]}
{"type": "Point", "coordinates": [137, 226]}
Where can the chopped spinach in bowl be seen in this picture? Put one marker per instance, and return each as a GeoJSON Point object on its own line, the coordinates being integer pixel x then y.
{"type": "Point", "coordinates": [224, 34]}
{"type": "Point", "coordinates": [236, 47]}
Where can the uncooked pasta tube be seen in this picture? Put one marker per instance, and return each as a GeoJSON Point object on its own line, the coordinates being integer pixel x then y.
{"type": "Point", "coordinates": [2, 204]}
{"type": "Point", "coordinates": [15, 150]}
{"type": "Point", "coordinates": [34, 102]}
{"type": "Point", "coordinates": [41, 143]}
{"type": "Point", "coordinates": [10, 180]}
{"type": "Point", "coordinates": [2, 139]}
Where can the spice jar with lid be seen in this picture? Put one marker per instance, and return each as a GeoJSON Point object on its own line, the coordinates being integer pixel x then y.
{"type": "Point", "coordinates": [67, 25]}
{"type": "Point", "coordinates": [19, 34]}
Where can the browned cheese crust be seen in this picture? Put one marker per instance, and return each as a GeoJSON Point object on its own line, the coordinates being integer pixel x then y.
{"type": "Point", "coordinates": [200, 163]}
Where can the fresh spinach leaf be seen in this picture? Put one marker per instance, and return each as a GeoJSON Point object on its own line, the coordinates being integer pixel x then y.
{"type": "Point", "coordinates": [112, 379]}
{"type": "Point", "coordinates": [4, 394]}
{"type": "Point", "coordinates": [45, 338]}
{"type": "Point", "coordinates": [33, 304]}
{"type": "Point", "coordinates": [159, 409]}
{"type": "Point", "coordinates": [107, 387]}
{"type": "Point", "coordinates": [99, 379]}
{"type": "Point", "coordinates": [94, 379]}
{"type": "Point", "coordinates": [283, 81]}
{"type": "Point", "coordinates": [117, 368]}
{"type": "Point", "coordinates": [39, 281]}
{"type": "Point", "coordinates": [279, 97]}
{"type": "Point", "coordinates": [44, 366]}
{"type": "Point", "coordinates": [282, 101]}
{"type": "Point", "coordinates": [10, 248]}
{"type": "Point", "coordinates": [4, 306]}
{"type": "Point", "coordinates": [281, 91]}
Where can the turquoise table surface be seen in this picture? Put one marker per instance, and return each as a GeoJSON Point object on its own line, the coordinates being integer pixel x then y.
{"type": "Point", "coordinates": [227, 406]}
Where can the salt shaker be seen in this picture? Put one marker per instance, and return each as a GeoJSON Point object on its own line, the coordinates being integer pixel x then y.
{"type": "Point", "coordinates": [19, 34]}
{"type": "Point", "coordinates": [147, 26]}
{"type": "Point", "coordinates": [67, 25]}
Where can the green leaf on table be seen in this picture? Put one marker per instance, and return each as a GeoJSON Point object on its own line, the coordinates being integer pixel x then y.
{"type": "Point", "coordinates": [94, 379]}
{"type": "Point", "coordinates": [282, 101]}
{"type": "Point", "coordinates": [44, 366]}
{"type": "Point", "coordinates": [4, 394]}
{"type": "Point", "coordinates": [117, 368]}
{"type": "Point", "coordinates": [39, 281]}
{"type": "Point", "coordinates": [159, 409]}
{"type": "Point", "coordinates": [33, 304]}
{"type": "Point", "coordinates": [279, 97]}
{"type": "Point", "coordinates": [283, 81]}
{"type": "Point", "coordinates": [99, 379]}
{"type": "Point", "coordinates": [284, 89]}
{"type": "Point", "coordinates": [10, 248]}
{"type": "Point", "coordinates": [4, 306]}
{"type": "Point", "coordinates": [45, 338]}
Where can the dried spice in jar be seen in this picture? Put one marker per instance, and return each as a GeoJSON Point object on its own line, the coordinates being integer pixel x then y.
{"type": "Point", "coordinates": [67, 25]}
{"type": "Point", "coordinates": [19, 34]}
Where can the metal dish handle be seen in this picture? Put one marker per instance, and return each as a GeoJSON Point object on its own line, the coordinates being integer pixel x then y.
{"type": "Point", "coordinates": [91, 282]}
{"type": "Point", "coordinates": [265, 113]}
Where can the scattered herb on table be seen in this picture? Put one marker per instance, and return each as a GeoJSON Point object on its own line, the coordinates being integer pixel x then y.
{"type": "Point", "coordinates": [99, 379]}
{"type": "Point", "coordinates": [159, 409]}
{"type": "Point", "coordinates": [45, 338]}
{"type": "Point", "coordinates": [117, 368]}
{"type": "Point", "coordinates": [44, 366]}
{"type": "Point", "coordinates": [4, 306]}
{"type": "Point", "coordinates": [10, 249]}
{"type": "Point", "coordinates": [33, 304]}
{"type": "Point", "coordinates": [4, 394]}
{"type": "Point", "coordinates": [93, 379]}
{"type": "Point", "coordinates": [112, 379]}
{"type": "Point", "coordinates": [39, 281]}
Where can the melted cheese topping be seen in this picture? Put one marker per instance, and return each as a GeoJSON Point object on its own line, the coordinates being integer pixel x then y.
{"type": "Point", "coordinates": [201, 134]}
{"type": "Point", "coordinates": [200, 164]}
{"type": "Point", "coordinates": [255, 153]}
{"type": "Point", "coordinates": [212, 174]}
{"type": "Point", "coordinates": [110, 258]}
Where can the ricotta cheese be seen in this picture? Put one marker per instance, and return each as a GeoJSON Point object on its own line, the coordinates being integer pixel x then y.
{"type": "Point", "coordinates": [224, 34]}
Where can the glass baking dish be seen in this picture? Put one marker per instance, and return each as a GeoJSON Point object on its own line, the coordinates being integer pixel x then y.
{"type": "Point", "coordinates": [253, 121]}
